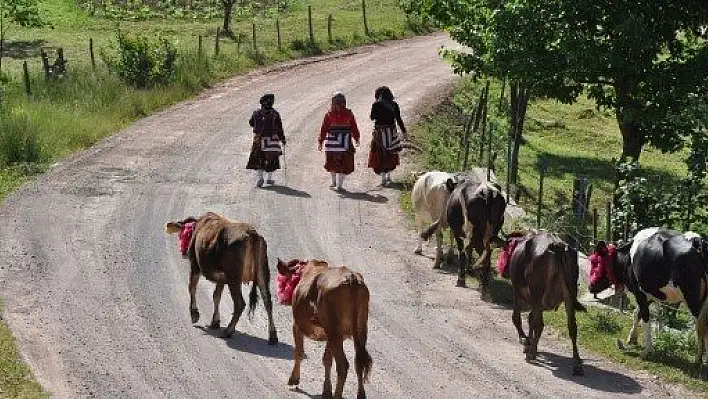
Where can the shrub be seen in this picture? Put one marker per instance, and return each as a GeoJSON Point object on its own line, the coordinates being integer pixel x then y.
{"type": "Point", "coordinates": [19, 140]}
{"type": "Point", "coordinates": [602, 321]}
{"type": "Point", "coordinates": [141, 62]}
{"type": "Point", "coordinates": [306, 47]}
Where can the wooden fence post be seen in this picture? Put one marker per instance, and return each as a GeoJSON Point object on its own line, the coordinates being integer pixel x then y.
{"type": "Point", "coordinates": [329, 28]}
{"type": "Point", "coordinates": [608, 221]}
{"type": "Point", "coordinates": [363, 11]}
{"type": "Point", "coordinates": [199, 47]}
{"type": "Point", "coordinates": [26, 77]}
{"type": "Point", "coordinates": [277, 27]}
{"type": "Point", "coordinates": [254, 37]}
{"type": "Point", "coordinates": [626, 227]}
{"type": "Point", "coordinates": [216, 43]}
{"type": "Point", "coordinates": [539, 207]}
{"type": "Point", "coordinates": [238, 43]}
{"type": "Point", "coordinates": [309, 23]}
{"type": "Point", "coordinates": [93, 59]}
{"type": "Point", "coordinates": [594, 225]}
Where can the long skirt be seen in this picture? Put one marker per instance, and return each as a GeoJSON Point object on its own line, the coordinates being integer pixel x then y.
{"type": "Point", "coordinates": [340, 162]}
{"type": "Point", "coordinates": [263, 160]}
{"type": "Point", "coordinates": [380, 160]}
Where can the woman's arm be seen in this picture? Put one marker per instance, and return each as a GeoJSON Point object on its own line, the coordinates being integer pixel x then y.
{"type": "Point", "coordinates": [397, 114]}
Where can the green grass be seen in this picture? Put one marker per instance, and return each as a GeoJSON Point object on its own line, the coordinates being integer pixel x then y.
{"type": "Point", "coordinates": [16, 379]}
{"type": "Point", "coordinates": [575, 140]}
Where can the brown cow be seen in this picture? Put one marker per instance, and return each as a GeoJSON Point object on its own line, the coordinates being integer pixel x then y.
{"type": "Point", "coordinates": [329, 304]}
{"type": "Point", "coordinates": [544, 273]}
{"type": "Point", "coordinates": [226, 252]}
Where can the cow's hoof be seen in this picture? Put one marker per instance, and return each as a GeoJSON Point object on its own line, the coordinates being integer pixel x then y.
{"type": "Point", "coordinates": [418, 251]}
{"type": "Point", "coordinates": [195, 315]}
{"type": "Point", "coordinates": [273, 339]}
{"type": "Point", "coordinates": [578, 370]}
{"type": "Point", "coordinates": [227, 334]}
{"type": "Point", "coordinates": [294, 381]}
{"type": "Point", "coordinates": [436, 266]}
{"type": "Point", "coordinates": [215, 325]}
{"type": "Point", "coordinates": [461, 283]}
{"type": "Point", "coordinates": [619, 344]}
{"type": "Point", "coordinates": [327, 395]}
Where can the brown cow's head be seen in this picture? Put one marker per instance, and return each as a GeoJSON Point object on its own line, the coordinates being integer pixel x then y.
{"type": "Point", "coordinates": [177, 226]}
{"type": "Point", "coordinates": [608, 266]}
{"type": "Point", "coordinates": [185, 235]}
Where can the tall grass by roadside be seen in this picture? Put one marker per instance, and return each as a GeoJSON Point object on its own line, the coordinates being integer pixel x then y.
{"type": "Point", "coordinates": [16, 379]}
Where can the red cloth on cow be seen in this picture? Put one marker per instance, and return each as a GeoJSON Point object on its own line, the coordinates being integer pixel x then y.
{"type": "Point", "coordinates": [285, 285]}
{"type": "Point", "coordinates": [601, 265]}
{"type": "Point", "coordinates": [503, 259]}
{"type": "Point", "coordinates": [339, 162]}
{"type": "Point", "coordinates": [185, 236]}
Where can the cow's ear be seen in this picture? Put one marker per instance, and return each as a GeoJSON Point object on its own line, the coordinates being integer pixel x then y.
{"type": "Point", "coordinates": [173, 227]}
{"type": "Point", "coordinates": [450, 184]}
{"type": "Point", "coordinates": [283, 268]}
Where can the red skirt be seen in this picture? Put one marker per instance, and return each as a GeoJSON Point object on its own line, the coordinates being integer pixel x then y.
{"type": "Point", "coordinates": [380, 160]}
{"type": "Point", "coordinates": [340, 162]}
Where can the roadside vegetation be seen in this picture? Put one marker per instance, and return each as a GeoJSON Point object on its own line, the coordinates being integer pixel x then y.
{"type": "Point", "coordinates": [16, 379]}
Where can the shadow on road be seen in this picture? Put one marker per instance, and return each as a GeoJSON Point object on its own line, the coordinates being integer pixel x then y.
{"type": "Point", "coordinates": [304, 393]}
{"type": "Point", "coordinates": [364, 196]}
{"type": "Point", "coordinates": [287, 191]}
{"type": "Point", "coordinates": [249, 344]}
{"type": "Point", "coordinates": [594, 378]}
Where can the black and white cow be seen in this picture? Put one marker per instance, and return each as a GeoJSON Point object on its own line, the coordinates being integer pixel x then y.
{"type": "Point", "coordinates": [475, 213]}
{"type": "Point", "coordinates": [664, 266]}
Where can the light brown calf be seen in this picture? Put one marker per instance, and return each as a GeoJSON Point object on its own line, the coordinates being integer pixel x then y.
{"type": "Point", "coordinates": [330, 304]}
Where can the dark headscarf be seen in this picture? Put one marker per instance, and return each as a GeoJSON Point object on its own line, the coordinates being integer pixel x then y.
{"type": "Point", "coordinates": [385, 93]}
{"type": "Point", "coordinates": [267, 101]}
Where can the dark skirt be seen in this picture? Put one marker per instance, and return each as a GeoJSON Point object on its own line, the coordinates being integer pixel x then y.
{"type": "Point", "coordinates": [340, 162]}
{"type": "Point", "coordinates": [263, 160]}
{"type": "Point", "coordinates": [380, 160]}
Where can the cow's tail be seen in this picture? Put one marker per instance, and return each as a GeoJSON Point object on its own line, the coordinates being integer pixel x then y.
{"type": "Point", "coordinates": [360, 318]}
{"type": "Point", "coordinates": [430, 230]}
{"type": "Point", "coordinates": [259, 256]}
{"type": "Point", "coordinates": [569, 261]}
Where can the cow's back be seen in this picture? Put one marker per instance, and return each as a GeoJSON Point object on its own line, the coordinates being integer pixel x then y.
{"type": "Point", "coordinates": [651, 269]}
{"type": "Point", "coordinates": [429, 194]}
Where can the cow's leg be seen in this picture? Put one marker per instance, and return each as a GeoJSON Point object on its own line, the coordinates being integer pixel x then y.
{"type": "Point", "coordinates": [573, 332]}
{"type": "Point", "coordinates": [530, 348]}
{"type": "Point", "coordinates": [643, 306]}
{"type": "Point", "coordinates": [438, 249]}
{"type": "Point", "coordinates": [337, 348]}
{"type": "Point", "coordinates": [516, 319]}
{"type": "Point", "coordinates": [268, 303]}
{"type": "Point", "coordinates": [216, 318]}
{"type": "Point", "coordinates": [462, 269]}
{"type": "Point", "coordinates": [632, 337]}
{"type": "Point", "coordinates": [327, 361]}
{"type": "Point", "coordinates": [193, 280]}
{"type": "Point", "coordinates": [299, 353]}
{"type": "Point", "coordinates": [485, 277]}
{"type": "Point", "coordinates": [239, 306]}
{"type": "Point", "coordinates": [420, 227]}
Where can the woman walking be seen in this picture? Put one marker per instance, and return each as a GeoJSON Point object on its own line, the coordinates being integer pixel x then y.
{"type": "Point", "coordinates": [338, 130]}
{"type": "Point", "coordinates": [268, 136]}
{"type": "Point", "coordinates": [385, 144]}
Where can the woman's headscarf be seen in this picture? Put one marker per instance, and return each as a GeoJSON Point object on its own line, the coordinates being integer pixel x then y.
{"type": "Point", "coordinates": [267, 100]}
{"type": "Point", "coordinates": [338, 99]}
{"type": "Point", "coordinates": [384, 93]}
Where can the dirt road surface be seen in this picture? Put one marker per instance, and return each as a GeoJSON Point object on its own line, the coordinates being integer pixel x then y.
{"type": "Point", "coordinates": [97, 294]}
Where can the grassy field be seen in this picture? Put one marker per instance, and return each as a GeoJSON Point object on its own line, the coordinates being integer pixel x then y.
{"type": "Point", "coordinates": [575, 140]}
{"type": "Point", "coordinates": [60, 116]}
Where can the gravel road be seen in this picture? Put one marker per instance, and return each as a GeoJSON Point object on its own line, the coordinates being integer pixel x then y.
{"type": "Point", "coordinates": [96, 293]}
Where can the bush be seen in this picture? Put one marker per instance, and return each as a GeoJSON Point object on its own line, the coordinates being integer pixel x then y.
{"type": "Point", "coordinates": [605, 322]}
{"type": "Point", "coordinates": [143, 63]}
{"type": "Point", "coordinates": [19, 140]}
{"type": "Point", "coordinates": [306, 47]}
{"type": "Point", "coordinates": [675, 343]}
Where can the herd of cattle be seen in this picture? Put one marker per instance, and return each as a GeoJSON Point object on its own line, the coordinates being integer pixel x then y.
{"type": "Point", "coordinates": [331, 304]}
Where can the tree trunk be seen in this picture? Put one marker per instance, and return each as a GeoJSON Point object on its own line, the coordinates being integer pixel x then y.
{"type": "Point", "coordinates": [228, 8]}
{"type": "Point", "coordinates": [625, 112]}
{"type": "Point", "coordinates": [519, 101]}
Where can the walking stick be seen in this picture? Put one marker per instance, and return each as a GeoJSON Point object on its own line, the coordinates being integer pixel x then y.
{"type": "Point", "coordinates": [285, 166]}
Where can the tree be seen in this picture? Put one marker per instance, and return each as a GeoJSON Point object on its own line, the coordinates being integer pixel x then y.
{"type": "Point", "coordinates": [21, 12]}
{"type": "Point", "coordinates": [228, 9]}
{"type": "Point", "coordinates": [645, 59]}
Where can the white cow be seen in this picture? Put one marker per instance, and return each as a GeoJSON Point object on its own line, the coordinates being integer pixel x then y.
{"type": "Point", "coordinates": [429, 195]}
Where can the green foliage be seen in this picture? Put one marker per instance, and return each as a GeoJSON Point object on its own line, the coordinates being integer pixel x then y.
{"type": "Point", "coordinates": [604, 322]}
{"type": "Point", "coordinates": [637, 58]}
{"type": "Point", "coordinates": [676, 343]}
{"type": "Point", "coordinates": [21, 12]}
{"type": "Point", "coordinates": [19, 140]}
{"type": "Point", "coordinates": [306, 47]}
{"type": "Point", "coordinates": [142, 62]}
